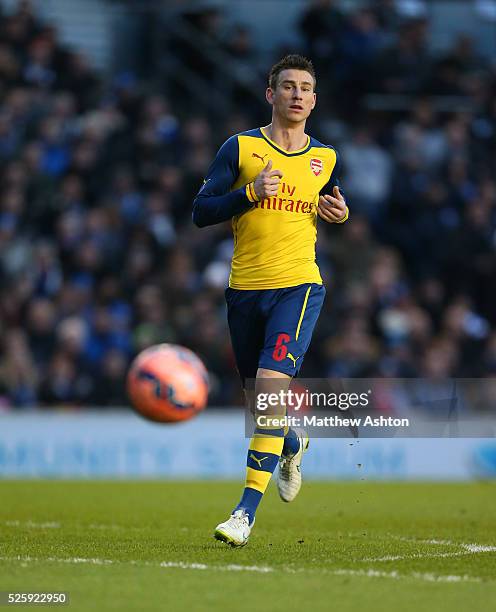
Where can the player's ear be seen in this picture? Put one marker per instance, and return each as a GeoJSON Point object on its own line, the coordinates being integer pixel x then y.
{"type": "Point", "coordinates": [314, 100]}
{"type": "Point", "coordinates": [269, 95]}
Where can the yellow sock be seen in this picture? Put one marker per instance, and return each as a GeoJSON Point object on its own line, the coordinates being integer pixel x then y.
{"type": "Point", "coordinates": [263, 455]}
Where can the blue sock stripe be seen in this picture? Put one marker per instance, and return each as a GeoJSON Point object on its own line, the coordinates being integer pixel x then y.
{"type": "Point", "coordinates": [249, 502]}
{"type": "Point", "coordinates": [264, 462]}
{"type": "Point", "coordinates": [291, 443]}
{"type": "Point", "coordinates": [275, 433]}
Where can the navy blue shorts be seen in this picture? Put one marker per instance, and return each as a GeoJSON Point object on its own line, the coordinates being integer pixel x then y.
{"type": "Point", "coordinates": [272, 328]}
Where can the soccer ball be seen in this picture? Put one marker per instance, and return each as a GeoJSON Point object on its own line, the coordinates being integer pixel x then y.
{"type": "Point", "coordinates": [167, 383]}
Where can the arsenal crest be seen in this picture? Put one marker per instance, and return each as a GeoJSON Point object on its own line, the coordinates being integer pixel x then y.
{"type": "Point", "coordinates": [316, 165]}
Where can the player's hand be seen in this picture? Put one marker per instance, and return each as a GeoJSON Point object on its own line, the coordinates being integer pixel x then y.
{"type": "Point", "coordinates": [332, 208]}
{"type": "Point", "coordinates": [267, 182]}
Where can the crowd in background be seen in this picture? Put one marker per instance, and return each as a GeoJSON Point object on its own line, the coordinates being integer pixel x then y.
{"type": "Point", "coordinates": [99, 257]}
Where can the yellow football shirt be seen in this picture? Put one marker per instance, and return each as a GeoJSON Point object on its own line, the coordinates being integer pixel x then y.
{"type": "Point", "coordinates": [274, 239]}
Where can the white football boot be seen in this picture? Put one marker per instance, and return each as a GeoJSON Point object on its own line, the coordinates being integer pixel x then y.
{"type": "Point", "coordinates": [236, 530]}
{"type": "Point", "coordinates": [289, 475]}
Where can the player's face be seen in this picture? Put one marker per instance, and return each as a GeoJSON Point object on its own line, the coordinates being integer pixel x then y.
{"type": "Point", "coordinates": [294, 97]}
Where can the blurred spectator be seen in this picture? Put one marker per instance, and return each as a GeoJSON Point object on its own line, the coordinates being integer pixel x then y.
{"type": "Point", "coordinates": [109, 388]}
{"type": "Point", "coordinates": [359, 42]}
{"type": "Point", "coordinates": [421, 137]}
{"type": "Point", "coordinates": [321, 25]}
{"type": "Point", "coordinates": [403, 67]}
{"type": "Point", "coordinates": [368, 171]}
{"type": "Point", "coordinates": [19, 378]}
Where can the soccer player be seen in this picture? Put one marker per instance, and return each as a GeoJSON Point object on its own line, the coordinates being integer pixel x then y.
{"type": "Point", "coordinates": [273, 182]}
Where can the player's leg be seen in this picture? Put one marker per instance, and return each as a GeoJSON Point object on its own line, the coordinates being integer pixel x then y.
{"type": "Point", "coordinates": [263, 456]}
{"type": "Point", "coordinates": [288, 333]}
{"type": "Point", "coordinates": [247, 330]}
{"type": "Point", "coordinates": [266, 444]}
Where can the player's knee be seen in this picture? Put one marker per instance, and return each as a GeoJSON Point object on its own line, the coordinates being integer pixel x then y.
{"type": "Point", "coordinates": [270, 389]}
{"type": "Point", "coordinates": [266, 373]}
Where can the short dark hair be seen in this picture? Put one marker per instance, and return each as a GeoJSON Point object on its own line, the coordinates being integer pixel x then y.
{"type": "Point", "coordinates": [296, 62]}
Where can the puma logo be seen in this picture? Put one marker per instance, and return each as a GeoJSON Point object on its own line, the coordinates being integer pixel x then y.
{"type": "Point", "coordinates": [293, 359]}
{"type": "Point", "coordinates": [259, 461]}
{"type": "Point", "coordinates": [260, 157]}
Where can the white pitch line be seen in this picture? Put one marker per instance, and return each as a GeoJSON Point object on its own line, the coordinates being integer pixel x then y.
{"type": "Point", "coordinates": [464, 549]}
{"type": "Point", "coordinates": [367, 573]}
{"type": "Point", "coordinates": [33, 524]}
{"type": "Point", "coordinates": [460, 553]}
{"type": "Point", "coordinates": [477, 548]}
{"type": "Point", "coordinates": [371, 573]}
{"type": "Point", "coordinates": [229, 568]}
{"type": "Point", "coordinates": [394, 536]}
{"type": "Point", "coordinates": [29, 524]}
{"type": "Point", "coordinates": [164, 564]}
{"type": "Point", "coordinates": [112, 527]}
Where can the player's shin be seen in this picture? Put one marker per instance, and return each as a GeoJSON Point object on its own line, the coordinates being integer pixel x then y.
{"type": "Point", "coordinates": [262, 459]}
{"type": "Point", "coordinates": [266, 444]}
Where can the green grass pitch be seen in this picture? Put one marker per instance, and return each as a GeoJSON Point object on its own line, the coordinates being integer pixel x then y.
{"type": "Point", "coordinates": [339, 546]}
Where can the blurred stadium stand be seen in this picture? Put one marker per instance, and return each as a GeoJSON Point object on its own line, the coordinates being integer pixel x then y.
{"type": "Point", "coordinates": [110, 113]}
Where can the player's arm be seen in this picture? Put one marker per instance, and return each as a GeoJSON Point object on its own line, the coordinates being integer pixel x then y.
{"type": "Point", "coordinates": [215, 202]}
{"type": "Point", "coordinates": [332, 204]}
